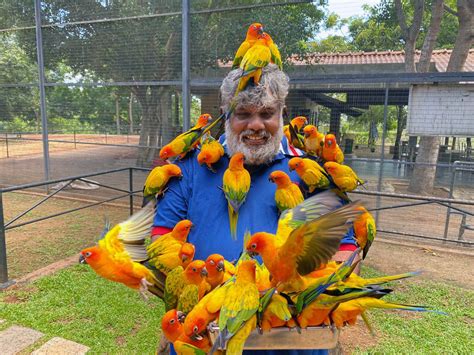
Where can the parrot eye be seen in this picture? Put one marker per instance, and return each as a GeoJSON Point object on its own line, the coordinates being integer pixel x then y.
{"type": "Point", "coordinates": [253, 246]}
{"type": "Point", "coordinates": [212, 262]}
{"type": "Point", "coordinates": [195, 329]}
{"type": "Point", "coordinates": [194, 269]}
{"type": "Point", "coordinates": [172, 321]}
{"type": "Point", "coordinates": [87, 254]}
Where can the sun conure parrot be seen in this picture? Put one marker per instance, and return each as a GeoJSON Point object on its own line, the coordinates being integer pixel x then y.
{"type": "Point", "coordinates": [347, 312]}
{"type": "Point", "coordinates": [331, 150]}
{"type": "Point", "coordinates": [313, 140]}
{"type": "Point", "coordinates": [111, 260]}
{"type": "Point", "coordinates": [236, 185]}
{"type": "Point", "coordinates": [343, 176]}
{"type": "Point", "coordinates": [276, 313]}
{"type": "Point", "coordinates": [312, 174]}
{"type": "Point", "coordinates": [157, 180]}
{"type": "Point", "coordinates": [173, 330]}
{"type": "Point", "coordinates": [256, 58]}
{"type": "Point", "coordinates": [186, 254]}
{"type": "Point", "coordinates": [238, 311]}
{"type": "Point", "coordinates": [302, 242]}
{"type": "Point", "coordinates": [216, 270]}
{"type": "Point", "coordinates": [292, 131]}
{"type": "Point", "coordinates": [185, 287]}
{"type": "Point", "coordinates": [188, 140]}
{"type": "Point", "coordinates": [163, 253]}
{"type": "Point", "coordinates": [275, 52]}
{"type": "Point", "coordinates": [206, 311]}
{"type": "Point", "coordinates": [211, 152]}
{"type": "Point", "coordinates": [254, 30]}
{"type": "Point", "coordinates": [287, 194]}
{"type": "Point", "coordinates": [365, 231]}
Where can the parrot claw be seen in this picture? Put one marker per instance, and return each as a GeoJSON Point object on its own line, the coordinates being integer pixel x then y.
{"type": "Point", "coordinates": [144, 283]}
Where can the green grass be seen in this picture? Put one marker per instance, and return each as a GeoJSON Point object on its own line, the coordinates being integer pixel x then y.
{"type": "Point", "coordinates": [78, 305]}
{"type": "Point", "coordinates": [426, 333]}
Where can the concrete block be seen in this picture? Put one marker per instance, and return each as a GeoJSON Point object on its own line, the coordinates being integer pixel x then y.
{"type": "Point", "coordinates": [60, 346]}
{"type": "Point", "coordinates": [15, 339]}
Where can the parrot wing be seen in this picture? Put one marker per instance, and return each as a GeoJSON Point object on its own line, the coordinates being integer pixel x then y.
{"type": "Point", "coordinates": [315, 242]}
{"type": "Point", "coordinates": [371, 231]}
{"type": "Point", "coordinates": [174, 285]}
{"type": "Point", "coordinates": [239, 55]}
{"type": "Point", "coordinates": [276, 56]}
{"type": "Point", "coordinates": [188, 298]}
{"type": "Point", "coordinates": [256, 57]}
{"type": "Point", "coordinates": [187, 349]}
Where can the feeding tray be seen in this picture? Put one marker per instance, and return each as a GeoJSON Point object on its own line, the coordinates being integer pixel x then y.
{"type": "Point", "coordinates": [284, 338]}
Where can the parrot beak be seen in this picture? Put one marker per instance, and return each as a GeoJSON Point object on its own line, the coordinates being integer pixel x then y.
{"type": "Point", "coordinates": [82, 259]}
{"type": "Point", "coordinates": [329, 143]}
{"type": "Point", "coordinates": [306, 135]}
{"type": "Point", "coordinates": [252, 254]}
{"type": "Point", "coordinates": [181, 316]}
{"type": "Point", "coordinates": [184, 258]}
{"type": "Point", "coordinates": [291, 168]}
{"type": "Point", "coordinates": [220, 266]}
{"type": "Point", "coordinates": [204, 272]}
{"type": "Point", "coordinates": [260, 31]}
{"type": "Point", "coordinates": [180, 176]}
{"type": "Point", "coordinates": [270, 179]}
{"type": "Point", "coordinates": [196, 337]}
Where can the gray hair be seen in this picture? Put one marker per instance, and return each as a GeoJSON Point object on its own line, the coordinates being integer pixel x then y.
{"type": "Point", "coordinates": [273, 89]}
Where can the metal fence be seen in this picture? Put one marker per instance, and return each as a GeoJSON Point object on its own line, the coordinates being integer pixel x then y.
{"type": "Point", "coordinates": [101, 85]}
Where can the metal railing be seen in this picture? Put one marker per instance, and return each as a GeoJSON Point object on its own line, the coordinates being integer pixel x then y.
{"type": "Point", "coordinates": [10, 224]}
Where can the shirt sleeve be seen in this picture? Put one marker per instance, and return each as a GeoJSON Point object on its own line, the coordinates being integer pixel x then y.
{"type": "Point", "coordinates": [173, 206]}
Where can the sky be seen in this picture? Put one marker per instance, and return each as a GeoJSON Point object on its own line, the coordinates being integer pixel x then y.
{"type": "Point", "coordinates": [346, 8]}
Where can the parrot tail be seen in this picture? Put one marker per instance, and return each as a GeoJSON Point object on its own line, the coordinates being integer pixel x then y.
{"type": "Point", "coordinates": [233, 218]}
{"type": "Point", "coordinates": [384, 279]}
{"type": "Point", "coordinates": [378, 303]}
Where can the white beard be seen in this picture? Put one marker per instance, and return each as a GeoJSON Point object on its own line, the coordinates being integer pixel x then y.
{"type": "Point", "coordinates": [254, 155]}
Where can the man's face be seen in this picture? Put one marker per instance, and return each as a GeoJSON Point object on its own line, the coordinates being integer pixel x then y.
{"type": "Point", "coordinates": [256, 132]}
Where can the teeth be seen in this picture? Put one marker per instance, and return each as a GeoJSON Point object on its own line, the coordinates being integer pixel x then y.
{"type": "Point", "coordinates": [254, 138]}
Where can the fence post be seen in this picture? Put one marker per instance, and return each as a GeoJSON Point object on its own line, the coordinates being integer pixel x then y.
{"type": "Point", "coordinates": [451, 190]}
{"type": "Point", "coordinates": [3, 247]}
{"type": "Point", "coordinates": [382, 156]}
{"type": "Point", "coordinates": [6, 143]}
{"type": "Point", "coordinates": [185, 65]}
{"type": "Point", "coordinates": [75, 147]}
{"type": "Point", "coordinates": [106, 137]}
{"type": "Point", "coordinates": [130, 187]}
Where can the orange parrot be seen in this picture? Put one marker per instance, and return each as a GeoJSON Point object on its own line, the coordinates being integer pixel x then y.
{"type": "Point", "coordinates": [365, 231]}
{"type": "Point", "coordinates": [211, 152]}
{"type": "Point", "coordinates": [111, 260]}
{"type": "Point", "coordinates": [173, 330]}
{"type": "Point", "coordinates": [157, 180]}
{"type": "Point", "coordinates": [312, 174]}
{"type": "Point", "coordinates": [186, 254]}
{"type": "Point", "coordinates": [331, 150]}
{"type": "Point", "coordinates": [287, 194]}
{"type": "Point", "coordinates": [313, 140]}
{"type": "Point", "coordinates": [216, 270]}
{"type": "Point", "coordinates": [236, 185]}
{"type": "Point", "coordinates": [254, 30]}
{"type": "Point", "coordinates": [343, 176]}
{"type": "Point", "coordinates": [276, 56]}
{"type": "Point", "coordinates": [304, 240]}
{"type": "Point", "coordinates": [163, 253]}
{"type": "Point", "coordinates": [292, 131]}
{"type": "Point", "coordinates": [189, 140]}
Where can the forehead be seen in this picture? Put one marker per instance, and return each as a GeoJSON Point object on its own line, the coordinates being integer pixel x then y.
{"type": "Point", "coordinates": [272, 106]}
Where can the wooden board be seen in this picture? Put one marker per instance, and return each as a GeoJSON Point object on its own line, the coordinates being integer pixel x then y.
{"type": "Point", "coordinates": [286, 338]}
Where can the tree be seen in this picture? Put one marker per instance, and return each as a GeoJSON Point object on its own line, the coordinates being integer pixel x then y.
{"type": "Point", "coordinates": [150, 48]}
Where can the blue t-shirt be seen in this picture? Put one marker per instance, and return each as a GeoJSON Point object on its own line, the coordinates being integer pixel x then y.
{"type": "Point", "coordinates": [198, 197]}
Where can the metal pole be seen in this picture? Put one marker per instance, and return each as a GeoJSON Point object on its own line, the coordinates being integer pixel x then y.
{"type": "Point", "coordinates": [451, 189]}
{"type": "Point", "coordinates": [44, 119]}
{"type": "Point", "coordinates": [185, 18]}
{"type": "Point", "coordinates": [6, 142]}
{"type": "Point", "coordinates": [75, 146]}
{"type": "Point", "coordinates": [3, 247]}
{"type": "Point", "coordinates": [130, 188]}
{"type": "Point", "coordinates": [382, 155]}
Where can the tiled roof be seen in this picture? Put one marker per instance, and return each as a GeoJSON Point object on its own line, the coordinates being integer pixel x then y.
{"type": "Point", "coordinates": [439, 57]}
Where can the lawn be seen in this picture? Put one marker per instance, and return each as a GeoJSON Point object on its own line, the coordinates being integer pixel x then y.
{"type": "Point", "coordinates": [109, 318]}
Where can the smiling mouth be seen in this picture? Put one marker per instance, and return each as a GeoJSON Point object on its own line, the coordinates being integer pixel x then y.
{"type": "Point", "coordinates": [254, 140]}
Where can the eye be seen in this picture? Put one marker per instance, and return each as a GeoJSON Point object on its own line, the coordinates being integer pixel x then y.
{"type": "Point", "coordinates": [194, 269]}
{"type": "Point", "coordinates": [253, 246]}
{"type": "Point", "coordinates": [195, 329]}
{"type": "Point", "coordinates": [212, 262]}
{"type": "Point", "coordinates": [172, 321]}
{"type": "Point", "coordinates": [88, 254]}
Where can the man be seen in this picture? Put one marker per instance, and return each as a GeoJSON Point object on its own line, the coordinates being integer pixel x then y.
{"type": "Point", "coordinates": [255, 129]}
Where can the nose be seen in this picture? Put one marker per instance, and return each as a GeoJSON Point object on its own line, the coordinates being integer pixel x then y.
{"type": "Point", "coordinates": [256, 123]}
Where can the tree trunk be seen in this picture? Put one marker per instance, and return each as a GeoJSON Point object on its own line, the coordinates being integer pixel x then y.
{"type": "Point", "coordinates": [423, 178]}
{"type": "Point", "coordinates": [401, 123]}
{"type": "Point", "coordinates": [155, 132]}
{"type": "Point", "coordinates": [431, 37]}
{"type": "Point", "coordinates": [465, 36]}
{"type": "Point", "coordinates": [130, 113]}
